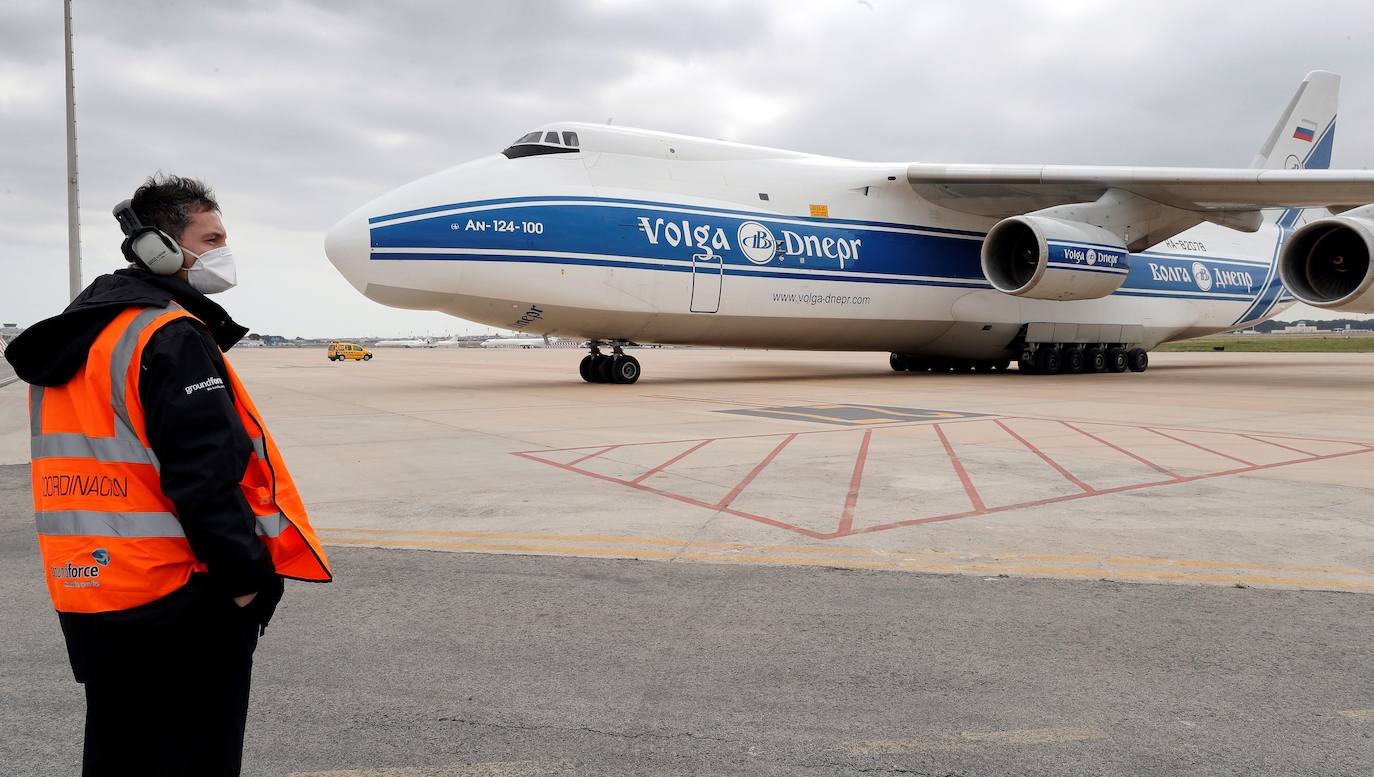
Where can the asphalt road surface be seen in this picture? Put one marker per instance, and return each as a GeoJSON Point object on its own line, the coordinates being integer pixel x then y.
{"type": "Point", "coordinates": [420, 664]}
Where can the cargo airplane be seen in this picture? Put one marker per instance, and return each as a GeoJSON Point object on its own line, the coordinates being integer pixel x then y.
{"type": "Point", "coordinates": [615, 235]}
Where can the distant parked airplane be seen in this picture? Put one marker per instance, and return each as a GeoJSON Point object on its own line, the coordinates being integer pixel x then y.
{"type": "Point", "coordinates": [410, 343]}
{"type": "Point", "coordinates": [515, 342]}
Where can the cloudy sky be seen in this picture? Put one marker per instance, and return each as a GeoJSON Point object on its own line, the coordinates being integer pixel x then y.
{"type": "Point", "coordinates": [298, 111]}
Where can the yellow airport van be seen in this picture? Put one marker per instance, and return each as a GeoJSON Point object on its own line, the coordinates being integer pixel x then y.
{"type": "Point", "coordinates": [346, 351]}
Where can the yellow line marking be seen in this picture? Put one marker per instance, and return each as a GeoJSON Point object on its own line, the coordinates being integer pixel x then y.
{"type": "Point", "coordinates": [1184, 562]}
{"type": "Point", "coordinates": [566, 550]}
{"type": "Point", "coordinates": [970, 740]}
{"type": "Point", "coordinates": [490, 769]}
{"type": "Point", "coordinates": [1363, 716]}
{"type": "Point", "coordinates": [506, 535]}
{"type": "Point", "coordinates": [1100, 563]}
{"type": "Point", "coordinates": [970, 567]}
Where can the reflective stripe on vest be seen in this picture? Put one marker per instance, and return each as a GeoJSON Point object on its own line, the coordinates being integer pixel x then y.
{"type": "Point", "coordinates": [100, 523]}
{"type": "Point", "coordinates": [110, 538]}
{"type": "Point", "coordinates": [125, 446]}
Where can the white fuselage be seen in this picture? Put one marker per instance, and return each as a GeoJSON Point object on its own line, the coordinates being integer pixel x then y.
{"type": "Point", "coordinates": [651, 237]}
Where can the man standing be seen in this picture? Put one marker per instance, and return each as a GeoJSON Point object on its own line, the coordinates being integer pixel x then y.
{"type": "Point", "coordinates": [166, 517]}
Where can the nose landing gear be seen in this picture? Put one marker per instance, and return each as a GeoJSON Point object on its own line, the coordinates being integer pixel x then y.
{"type": "Point", "coordinates": [615, 367]}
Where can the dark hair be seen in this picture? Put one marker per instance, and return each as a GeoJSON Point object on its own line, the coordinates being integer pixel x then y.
{"type": "Point", "coordinates": [168, 201]}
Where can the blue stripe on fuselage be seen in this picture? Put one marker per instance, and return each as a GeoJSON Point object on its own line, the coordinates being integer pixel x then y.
{"type": "Point", "coordinates": [615, 233]}
{"type": "Point", "coordinates": [751, 214]}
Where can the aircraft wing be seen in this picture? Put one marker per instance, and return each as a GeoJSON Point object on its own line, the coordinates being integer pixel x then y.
{"type": "Point", "coordinates": [1001, 191]}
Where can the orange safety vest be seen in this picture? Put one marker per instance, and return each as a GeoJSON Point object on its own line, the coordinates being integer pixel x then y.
{"type": "Point", "coordinates": [110, 538]}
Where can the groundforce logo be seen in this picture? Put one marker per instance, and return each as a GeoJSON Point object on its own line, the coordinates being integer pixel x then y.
{"type": "Point", "coordinates": [84, 485]}
{"type": "Point", "coordinates": [70, 571]}
{"type": "Point", "coordinates": [208, 383]}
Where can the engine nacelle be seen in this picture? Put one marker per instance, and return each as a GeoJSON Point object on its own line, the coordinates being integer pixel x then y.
{"type": "Point", "coordinates": [1046, 258]}
{"type": "Point", "coordinates": [1326, 264]}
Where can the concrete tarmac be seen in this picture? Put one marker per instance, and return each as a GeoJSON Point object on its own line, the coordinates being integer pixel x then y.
{"type": "Point", "coordinates": [773, 500]}
{"type": "Point", "coordinates": [1225, 469]}
{"type": "Point", "coordinates": [422, 664]}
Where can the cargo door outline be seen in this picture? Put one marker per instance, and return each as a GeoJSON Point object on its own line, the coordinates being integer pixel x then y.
{"type": "Point", "coordinates": [708, 275]}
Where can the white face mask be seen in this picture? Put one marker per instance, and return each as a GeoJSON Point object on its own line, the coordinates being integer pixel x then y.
{"type": "Point", "coordinates": [213, 271]}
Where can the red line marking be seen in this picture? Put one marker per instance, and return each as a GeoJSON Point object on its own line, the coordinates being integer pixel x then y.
{"type": "Point", "coordinates": [1277, 445]}
{"type": "Point", "coordinates": [1201, 447]}
{"type": "Point", "coordinates": [852, 498]}
{"type": "Point", "coordinates": [979, 507]}
{"type": "Point", "coordinates": [1204, 431]}
{"type": "Point", "coordinates": [1045, 458]}
{"type": "Point", "coordinates": [959, 469]}
{"type": "Point", "coordinates": [671, 462]}
{"type": "Point", "coordinates": [975, 419]}
{"type": "Point", "coordinates": [593, 454]}
{"type": "Point", "coordinates": [1119, 449]}
{"type": "Point", "coordinates": [829, 430]}
{"type": "Point", "coordinates": [1103, 492]}
{"type": "Point", "coordinates": [758, 468]}
{"type": "Point", "coordinates": [681, 498]}
{"type": "Point", "coordinates": [530, 455]}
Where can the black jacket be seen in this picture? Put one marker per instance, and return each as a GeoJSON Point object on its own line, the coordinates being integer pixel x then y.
{"type": "Point", "coordinates": [198, 437]}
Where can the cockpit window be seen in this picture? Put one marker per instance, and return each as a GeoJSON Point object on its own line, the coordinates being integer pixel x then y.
{"type": "Point", "coordinates": [543, 142]}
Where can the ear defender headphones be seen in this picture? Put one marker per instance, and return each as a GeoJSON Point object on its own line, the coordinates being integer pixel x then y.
{"type": "Point", "coordinates": [146, 246]}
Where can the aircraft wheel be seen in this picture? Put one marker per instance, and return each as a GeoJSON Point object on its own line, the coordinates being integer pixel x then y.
{"type": "Point", "coordinates": [1001, 366]}
{"type": "Point", "coordinates": [897, 362]}
{"type": "Point", "coordinates": [602, 368]}
{"type": "Point", "coordinates": [983, 366]}
{"type": "Point", "coordinates": [1116, 360]}
{"type": "Point", "coordinates": [624, 370]}
{"type": "Point", "coordinates": [1072, 361]}
{"type": "Point", "coordinates": [1096, 360]}
{"type": "Point", "coordinates": [940, 365]}
{"type": "Point", "coordinates": [1026, 364]}
{"type": "Point", "coordinates": [584, 368]}
{"type": "Point", "coordinates": [1047, 360]}
{"type": "Point", "coordinates": [962, 365]}
{"type": "Point", "coordinates": [1138, 359]}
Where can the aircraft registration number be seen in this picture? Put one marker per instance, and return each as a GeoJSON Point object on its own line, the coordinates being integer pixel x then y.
{"type": "Point", "coordinates": [498, 225]}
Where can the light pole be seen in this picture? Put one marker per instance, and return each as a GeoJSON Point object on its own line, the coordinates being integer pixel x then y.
{"type": "Point", "coordinates": [73, 200]}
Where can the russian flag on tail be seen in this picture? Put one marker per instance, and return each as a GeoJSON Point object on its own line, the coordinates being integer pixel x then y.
{"type": "Point", "coordinates": [1306, 130]}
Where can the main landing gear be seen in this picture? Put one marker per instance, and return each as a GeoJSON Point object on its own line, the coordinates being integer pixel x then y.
{"type": "Point", "coordinates": [615, 367]}
{"type": "Point", "coordinates": [1076, 358]}
{"type": "Point", "coordinates": [1037, 359]}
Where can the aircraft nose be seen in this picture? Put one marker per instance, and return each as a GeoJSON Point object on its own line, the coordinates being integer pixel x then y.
{"type": "Point", "coordinates": [348, 246]}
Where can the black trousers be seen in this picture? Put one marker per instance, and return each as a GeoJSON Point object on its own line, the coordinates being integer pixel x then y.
{"type": "Point", "coordinates": [171, 699]}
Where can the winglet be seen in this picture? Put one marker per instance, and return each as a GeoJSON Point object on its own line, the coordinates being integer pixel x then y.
{"type": "Point", "coordinates": [1304, 134]}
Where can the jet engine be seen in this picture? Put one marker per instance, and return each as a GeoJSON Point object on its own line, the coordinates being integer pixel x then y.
{"type": "Point", "coordinates": [1047, 258]}
{"type": "Point", "coordinates": [1326, 263]}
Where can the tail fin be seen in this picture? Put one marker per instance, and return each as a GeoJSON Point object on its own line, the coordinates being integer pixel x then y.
{"type": "Point", "coordinates": [1305, 132]}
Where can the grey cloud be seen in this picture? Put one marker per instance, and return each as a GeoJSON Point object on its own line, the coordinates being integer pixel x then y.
{"type": "Point", "coordinates": [298, 111]}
